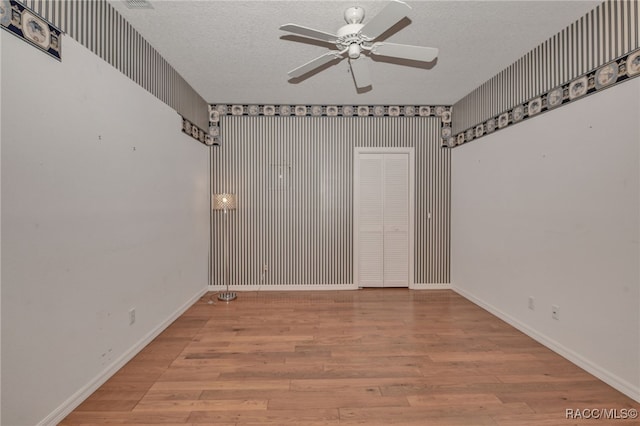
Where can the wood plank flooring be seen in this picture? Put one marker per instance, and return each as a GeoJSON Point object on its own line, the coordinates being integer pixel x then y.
{"type": "Point", "coordinates": [372, 357]}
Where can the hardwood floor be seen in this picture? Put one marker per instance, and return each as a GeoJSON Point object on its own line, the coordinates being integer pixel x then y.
{"type": "Point", "coordinates": [373, 357]}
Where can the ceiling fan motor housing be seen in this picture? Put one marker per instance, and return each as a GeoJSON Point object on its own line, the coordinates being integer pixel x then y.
{"type": "Point", "coordinates": [349, 37]}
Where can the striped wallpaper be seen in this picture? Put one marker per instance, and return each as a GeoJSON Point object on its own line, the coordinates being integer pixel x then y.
{"type": "Point", "coordinates": [300, 226]}
{"type": "Point", "coordinates": [100, 28]}
{"type": "Point", "coordinates": [607, 32]}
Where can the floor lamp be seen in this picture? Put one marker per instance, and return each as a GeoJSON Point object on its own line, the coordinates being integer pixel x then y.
{"type": "Point", "coordinates": [225, 202]}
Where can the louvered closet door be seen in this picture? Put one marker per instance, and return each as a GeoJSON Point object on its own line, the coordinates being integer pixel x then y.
{"type": "Point", "coordinates": [383, 217]}
{"type": "Point", "coordinates": [371, 220]}
{"type": "Point", "coordinates": [396, 220]}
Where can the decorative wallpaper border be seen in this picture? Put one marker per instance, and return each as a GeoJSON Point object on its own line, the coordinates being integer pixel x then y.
{"type": "Point", "coordinates": [218, 110]}
{"type": "Point", "coordinates": [619, 70]}
{"type": "Point", "coordinates": [190, 129]}
{"type": "Point", "coordinates": [29, 26]}
{"type": "Point", "coordinates": [99, 27]}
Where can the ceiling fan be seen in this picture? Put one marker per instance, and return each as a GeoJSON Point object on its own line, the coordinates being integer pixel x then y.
{"type": "Point", "coordinates": [356, 40]}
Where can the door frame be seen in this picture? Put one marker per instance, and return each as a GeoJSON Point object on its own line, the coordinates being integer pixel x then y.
{"type": "Point", "coordinates": [356, 197]}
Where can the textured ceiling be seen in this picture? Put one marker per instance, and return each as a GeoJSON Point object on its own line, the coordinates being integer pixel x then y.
{"type": "Point", "coordinates": [233, 51]}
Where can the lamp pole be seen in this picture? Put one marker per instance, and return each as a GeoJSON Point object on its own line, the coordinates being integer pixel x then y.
{"type": "Point", "coordinates": [226, 202]}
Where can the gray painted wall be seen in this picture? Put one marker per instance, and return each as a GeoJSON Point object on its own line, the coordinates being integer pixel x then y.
{"type": "Point", "coordinates": [105, 208]}
{"type": "Point", "coordinates": [550, 208]}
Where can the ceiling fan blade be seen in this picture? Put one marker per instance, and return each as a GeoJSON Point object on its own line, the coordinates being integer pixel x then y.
{"type": "Point", "coordinates": [405, 51]}
{"type": "Point", "coordinates": [309, 32]}
{"type": "Point", "coordinates": [388, 17]}
{"type": "Point", "coordinates": [360, 72]}
{"type": "Point", "coordinates": [315, 63]}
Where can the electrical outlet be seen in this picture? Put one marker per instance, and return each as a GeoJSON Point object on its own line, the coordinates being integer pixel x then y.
{"type": "Point", "coordinates": [265, 268]}
{"type": "Point", "coordinates": [555, 312]}
{"type": "Point", "coordinates": [532, 303]}
{"type": "Point", "coordinates": [132, 316]}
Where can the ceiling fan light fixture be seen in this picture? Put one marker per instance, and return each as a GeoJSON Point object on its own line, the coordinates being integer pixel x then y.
{"type": "Point", "coordinates": [354, 51]}
{"type": "Point", "coordinates": [354, 15]}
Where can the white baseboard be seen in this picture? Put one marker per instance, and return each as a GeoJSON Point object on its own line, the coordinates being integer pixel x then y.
{"type": "Point", "coordinates": [76, 399]}
{"type": "Point", "coordinates": [286, 287]}
{"type": "Point", "coordinates": [315, 287]}
{"type": "Point", "coordinates": [428, 286]}
{"type": "Point", "coordinates": [606, 376]}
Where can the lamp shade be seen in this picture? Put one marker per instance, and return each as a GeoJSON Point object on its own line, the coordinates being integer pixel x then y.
{"type": "Point", "coordinates": [223, 201]}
